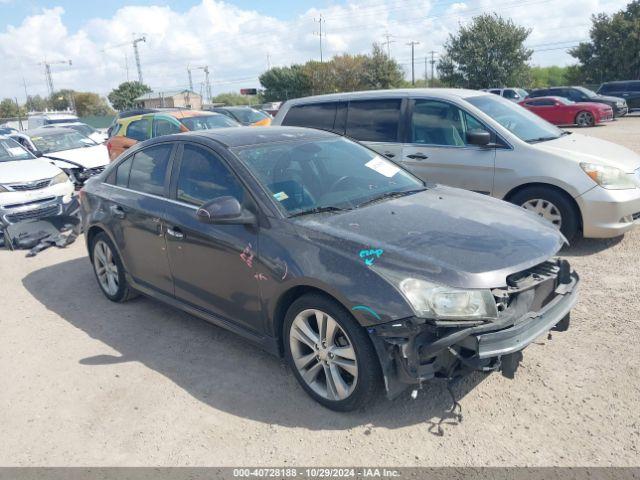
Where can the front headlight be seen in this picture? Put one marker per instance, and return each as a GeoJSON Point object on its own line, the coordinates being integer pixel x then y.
{"type": "Point", "coordinates": [446, 303]}
{"type": "Point", "coordinates": [611, 178]}
{"type": "Point", "coordinates": [59, 178]}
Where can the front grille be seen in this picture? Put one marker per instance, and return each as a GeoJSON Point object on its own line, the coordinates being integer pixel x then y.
{"type": "Point", "coordinates": [534, 275]}
{"type": "Point", "coordinates": [37, 185]}
{"type": "Point", "coordinates": [35, 213]}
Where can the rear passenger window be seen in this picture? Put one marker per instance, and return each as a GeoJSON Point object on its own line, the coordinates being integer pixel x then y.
{"type": "Point", "coordinates": [374, 120]}
{"type": "Point", "coordinates": [203, 176]}
{"type": "Point", "coordinates": [122, 173]}
{"type": "Point", "coordinates": [633, 87]}
{"type": "Point", "coordinates": [316, 115]}
{"type": "Point", "coordinates": [149, 168]}
{"type": "Point", "coordinates": [138, 130]}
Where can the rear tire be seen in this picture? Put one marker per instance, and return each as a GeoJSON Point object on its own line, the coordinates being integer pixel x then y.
{"type": "Point", "coordinates": [109, 269]}
{"type": "Point", "coordinates": [550, 204]}
{"type": "Point", "coordinates": [341, 366]}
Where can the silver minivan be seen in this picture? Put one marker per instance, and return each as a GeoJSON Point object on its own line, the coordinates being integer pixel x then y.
{"type": "Point", "coordinates": [482, 142]}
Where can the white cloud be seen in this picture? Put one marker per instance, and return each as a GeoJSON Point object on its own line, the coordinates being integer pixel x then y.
{"type": "Point", "coordinates": [235, 42]}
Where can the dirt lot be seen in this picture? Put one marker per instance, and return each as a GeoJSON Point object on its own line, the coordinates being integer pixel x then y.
{"type": "Point", "coordinates": [87, 382]}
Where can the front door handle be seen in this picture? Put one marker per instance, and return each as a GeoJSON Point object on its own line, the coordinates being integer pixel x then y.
{"type": "Point", "coordinates": [175, 232]}
{"type": "Point", "coordinates": [389, 154]}
{"type": "Point", "coordinates": [417, 156]}
{"type": "Point", "coordinates": [117, 211]}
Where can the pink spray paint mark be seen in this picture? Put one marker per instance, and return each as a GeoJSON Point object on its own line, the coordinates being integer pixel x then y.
{"type": "Point", "coordinates": [247, 256]}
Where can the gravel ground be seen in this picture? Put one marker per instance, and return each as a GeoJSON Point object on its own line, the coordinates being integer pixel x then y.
{"type": "Point", "coordinates": [87, 382]}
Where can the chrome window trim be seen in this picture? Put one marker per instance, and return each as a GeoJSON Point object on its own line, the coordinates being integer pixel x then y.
{"type": "Point", "coordinates": [150, 195]}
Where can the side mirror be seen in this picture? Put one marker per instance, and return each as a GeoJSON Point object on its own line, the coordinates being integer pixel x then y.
{"type": "Point", "coordinates": [478, 137]}
{"type": "Point", "coordinates": [225, 210]}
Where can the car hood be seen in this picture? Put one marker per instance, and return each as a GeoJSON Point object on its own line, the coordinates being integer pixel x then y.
{"type": "Point", "coordinates": [88, 157]}
{"type": "Point", "coordinates": [582, 148]}
{"type": "Point", "coordinates": [446, 235]}
{"type": "Point", "coordinates": [607, 98]}
{"type": "Point", "coordinates": [20, 171]}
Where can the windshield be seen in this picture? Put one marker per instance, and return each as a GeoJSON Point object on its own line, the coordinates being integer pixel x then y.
{"type": "Point", "coordinates": [10, 151]}
{"type": "Point", "coordinates": [522, 93]}
{"type": "Point", "coordinates": [527, 126]}
{"type": "Point", "coordinates": [248, 115]}
{"type": "Point", "coordinates": [325, 174]}
{"type": "Point", "coordinates": [205, 122]}
{"type": "Point", "coordinates": [587, 92]}
{"type": "Point", "coordinates": [59, 141]}
{"type": "Point", "coordinates": [85, 130]}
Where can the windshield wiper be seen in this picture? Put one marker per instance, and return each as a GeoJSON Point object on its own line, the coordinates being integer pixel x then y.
{"type": "Point", "coordinates": [390, 195]}
{"type": "Point", "coordinates": [541, 139]}
{"type": "Point", "coordinates": [311, 211]}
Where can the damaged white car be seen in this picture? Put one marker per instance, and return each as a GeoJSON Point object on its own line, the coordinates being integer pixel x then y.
{"type": "Point", "coordinates": [79, 156]}
{"type": "Point", "coordinates": [29, 187]}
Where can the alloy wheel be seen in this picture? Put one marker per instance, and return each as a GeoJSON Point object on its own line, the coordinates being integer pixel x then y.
{"type": "Point", "coordinates": [545, 209]}
{"type": "Point", "coordinates": [106, 268]}
{"type": "Point", "coordinates": [584, 119]}
{"type": "Point", "coordinates": [323, 354]}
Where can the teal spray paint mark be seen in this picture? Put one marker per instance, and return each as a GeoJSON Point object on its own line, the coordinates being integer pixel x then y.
{"type": "Point", "coordinates": [370, 310]}
{"type": "Point", "coordinates": [370, 256]}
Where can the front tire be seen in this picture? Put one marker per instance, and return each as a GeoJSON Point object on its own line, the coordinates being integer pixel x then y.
{"type": "Point", "coordinates": [109, 270]}
{"type": "Point", "coordinates": [552, 205]}
{"type": "Point", "coordinates": [330, 353]}
{"type": "Point", "coordinates": [585, 119]}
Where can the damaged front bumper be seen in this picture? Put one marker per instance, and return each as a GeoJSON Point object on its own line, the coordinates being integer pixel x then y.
{"type": "Point", "coordinates": [414, 350]}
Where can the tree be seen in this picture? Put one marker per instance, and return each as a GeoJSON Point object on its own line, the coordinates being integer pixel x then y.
{"type": "Point", "coordinates": [489, 52]}
{"type": "Point", "coordinates": [380, 71]}
{"type": "Point", "coordinates": [233, 98]}
{"type": "Point", "coordinates": [61, 100]}
{"type": "Point", "coordinates": [348, 72]}
{"type": "Point", "coordinates": [283, 83]}
{"type": "Point", "coordinates": [123, 97]}
{"type": "Point", "coordinates": [613, 52]}
{"type": "Point", "coordinates": [9, 108]}
{"type": "Point", "coordinates": [552, 76]}
{"type": "Point", "coordinates": [88, 103]}
{"type": "Point", "coordinates": [35, 103]}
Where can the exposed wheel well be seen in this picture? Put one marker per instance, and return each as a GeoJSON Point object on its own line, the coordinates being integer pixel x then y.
{"type": "Point", "coordinates": [285, 301]}
{"type": "Point", "coordinates": [520, 188]}
{"type": "Point", "coordinates": [91, 234]}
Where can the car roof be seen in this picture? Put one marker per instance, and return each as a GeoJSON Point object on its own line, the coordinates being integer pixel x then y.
{"type": "Point", "coordinates": [444, 93]}
{"type": "Point", "coordinates": [244, 136]}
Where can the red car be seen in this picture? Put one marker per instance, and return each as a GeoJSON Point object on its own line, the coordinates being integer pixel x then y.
{"type": "Point", "coordinates": [562, 111]}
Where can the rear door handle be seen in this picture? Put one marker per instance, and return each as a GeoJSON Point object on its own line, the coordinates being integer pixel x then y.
{"type": "Point", "coordinates": [417, 156]}
{"type": "Point", "coordinates": [117, 211]}
{"type": "Point", "coordinates": [175, 232]}
{"type": "Point", "coordinates": [389, 154]}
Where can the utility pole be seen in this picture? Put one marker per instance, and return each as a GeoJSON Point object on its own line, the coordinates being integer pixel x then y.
{"type": "Point", "coordinates": [47, 72]}
{"type": "Point", "coordinates": [137, 55]}
{"type": "Point", "coordinates": [26, 95]}
{"type": "Point", "coordinates": [207, 82]}
{"type": "Point", "coordinates": [433, 62]}
{"type": "Point", "coordinates": [425, 72]}
{"type": "Point", "coordinates": [320, 22]}
{"type": "Point", "coordinates": [413, 75]}
{"type": "Point", "coordinates": [388, 42]}
{"type": "Point", "coordinates": [268, 61]}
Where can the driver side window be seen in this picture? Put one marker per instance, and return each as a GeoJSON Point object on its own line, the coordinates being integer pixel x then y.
{"type": "Point", "coordinates": [439, 123]}
{"type": "Point", "coordinates": [203, 176]}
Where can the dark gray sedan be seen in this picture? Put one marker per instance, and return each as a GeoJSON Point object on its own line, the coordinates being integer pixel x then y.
{"type": "Point", "coordinates": [319, 249]}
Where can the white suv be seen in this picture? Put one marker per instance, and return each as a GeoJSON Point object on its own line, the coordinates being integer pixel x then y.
{"type": "Point", "coordinates": [29, 187]}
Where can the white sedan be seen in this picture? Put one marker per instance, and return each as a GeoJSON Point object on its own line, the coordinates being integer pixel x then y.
{"type": "Point", "coordinates": [79, 156]}
{"type": "Point", "coordinates": [30, 187]}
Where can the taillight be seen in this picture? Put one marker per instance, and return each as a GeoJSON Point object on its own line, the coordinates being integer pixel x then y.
{"type": "Point", "coordinates": [81, 196]}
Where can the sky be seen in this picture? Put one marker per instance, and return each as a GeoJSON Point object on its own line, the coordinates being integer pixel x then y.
{"type": "Point", "coordinates": [239, 39]}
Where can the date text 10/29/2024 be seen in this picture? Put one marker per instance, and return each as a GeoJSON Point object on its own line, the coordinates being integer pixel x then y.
{"type": "Point", "coordinates": [293, 472]}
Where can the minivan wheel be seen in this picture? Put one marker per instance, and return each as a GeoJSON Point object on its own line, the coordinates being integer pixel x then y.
{"type": "Point", "coordinates": [109, 270]}
{"type": "Point", "coordinates": [552, 205]}
{"type": "Point", "coordinates": [330, 353]}
{"type": "Point", "coordinates": [585, 119]}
